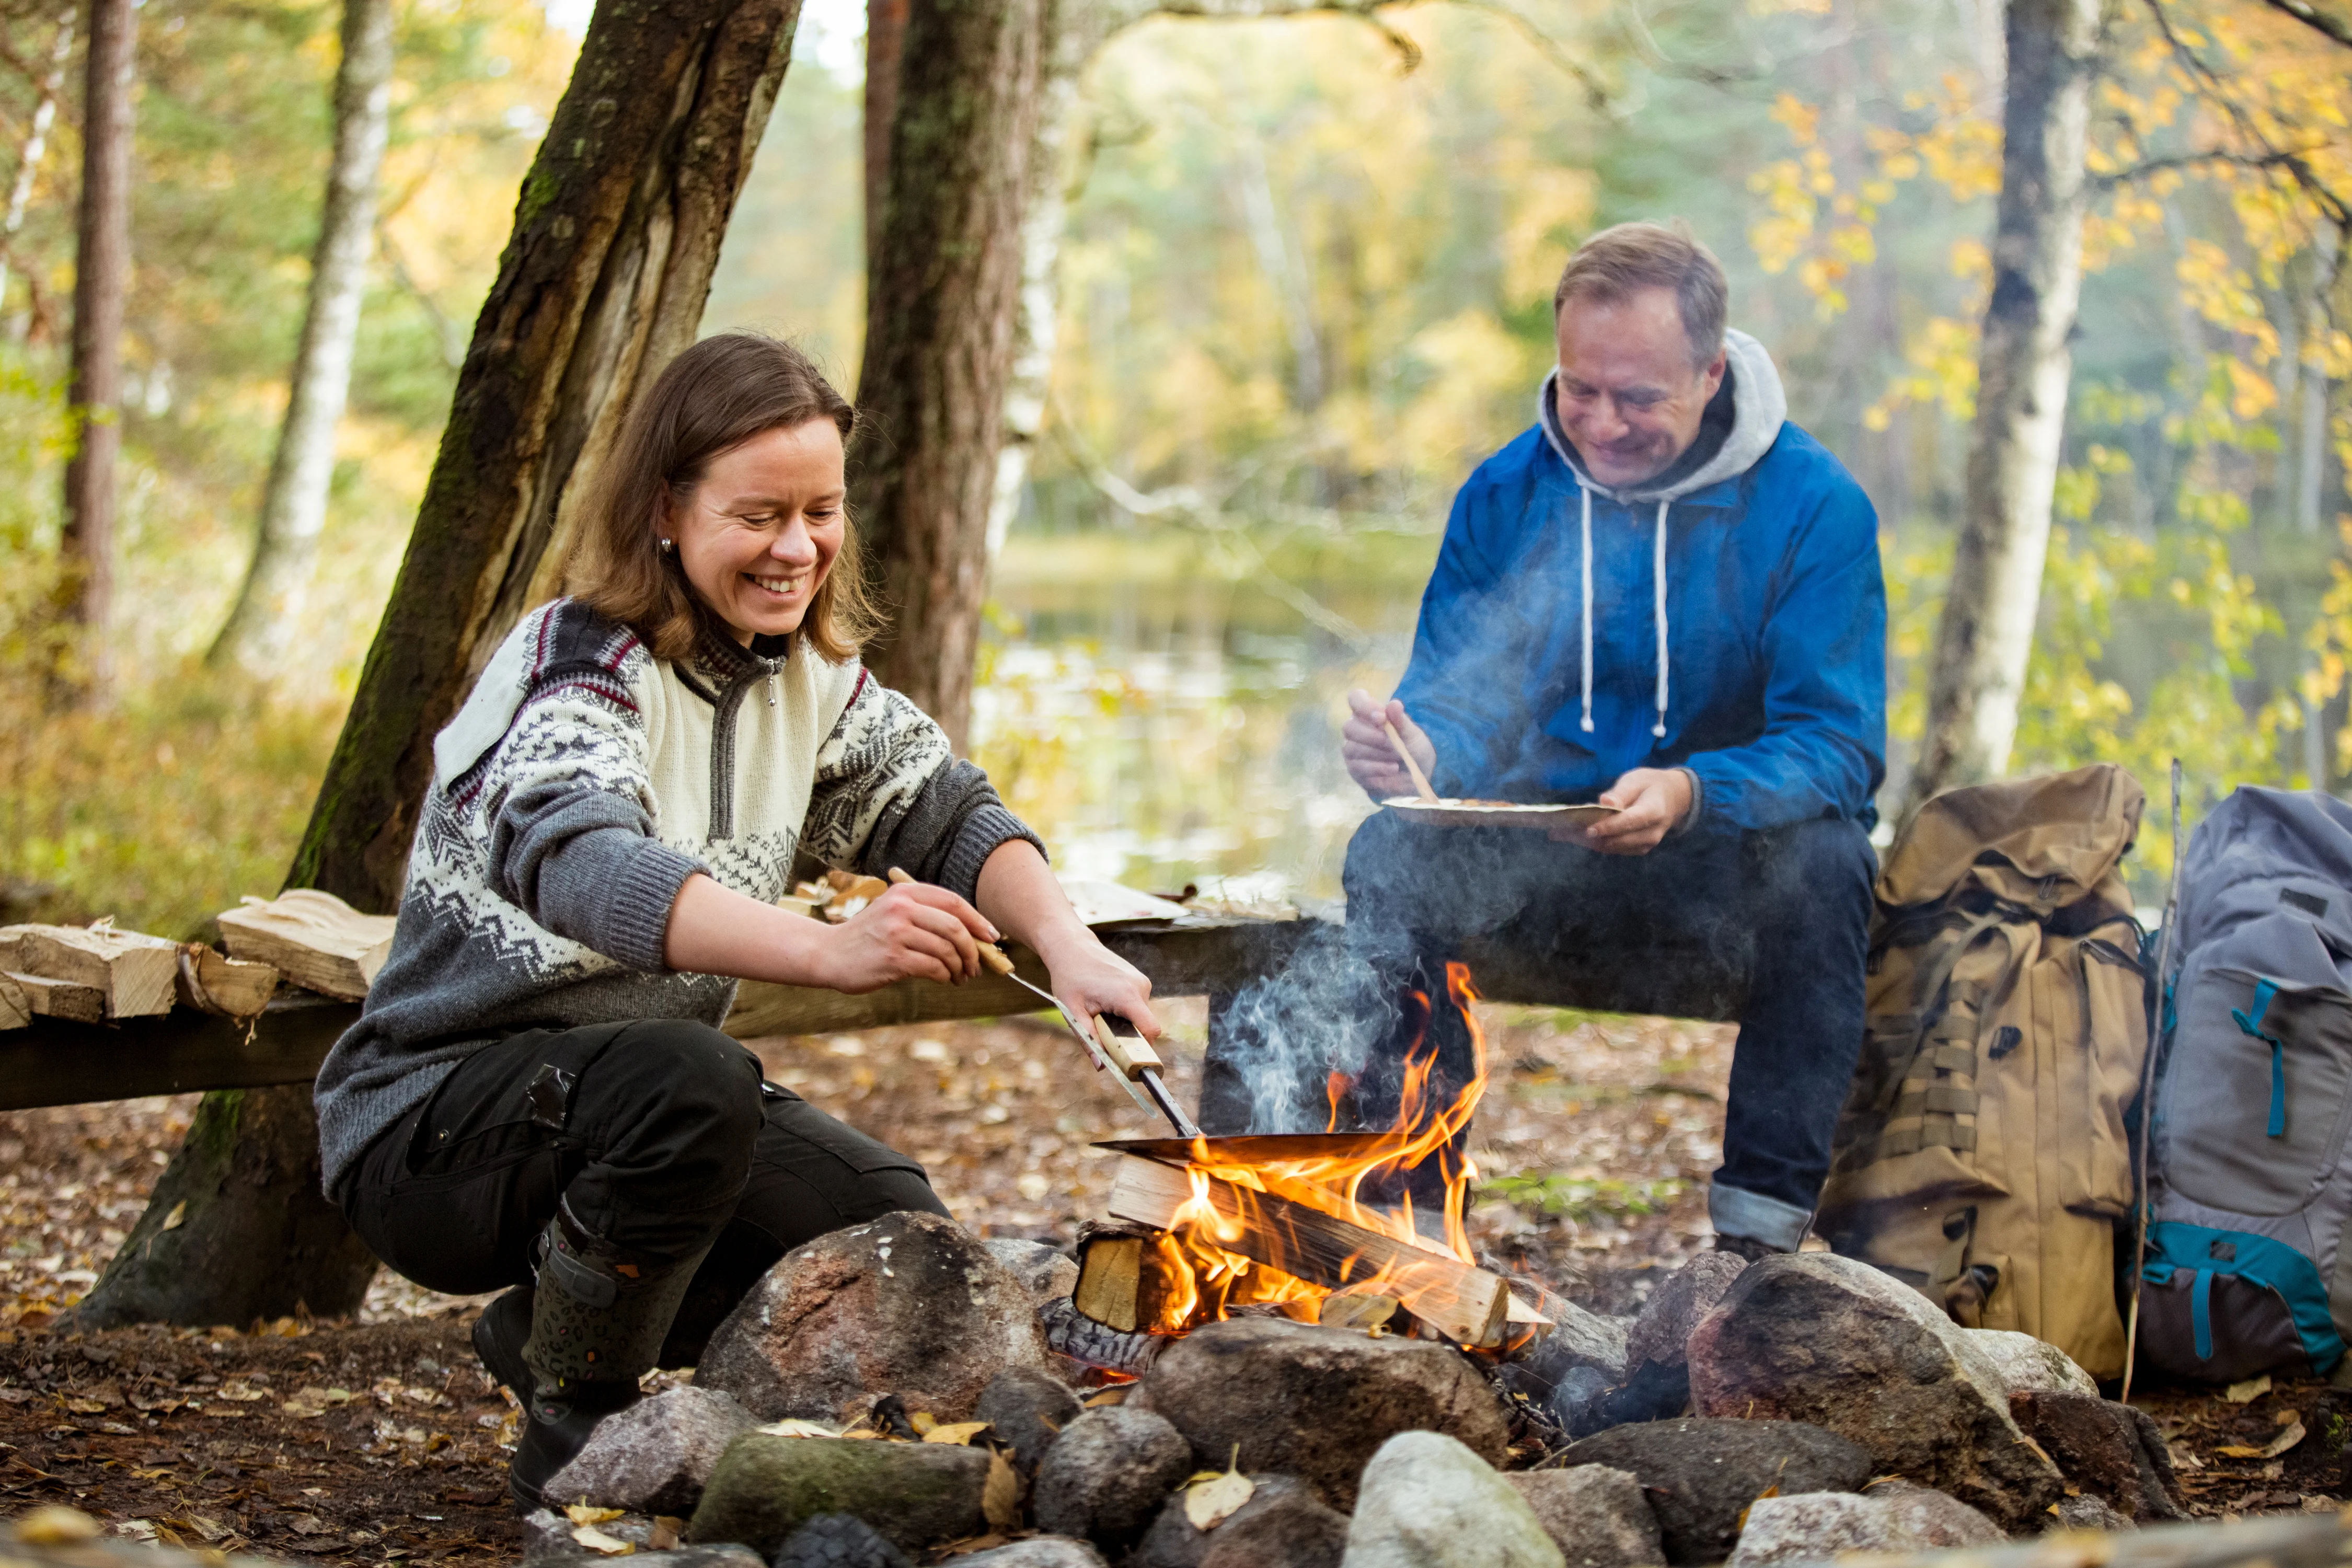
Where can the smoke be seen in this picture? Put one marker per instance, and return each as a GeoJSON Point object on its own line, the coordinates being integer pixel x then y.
{"type": "Point", "coordinates": [1286, 1035]}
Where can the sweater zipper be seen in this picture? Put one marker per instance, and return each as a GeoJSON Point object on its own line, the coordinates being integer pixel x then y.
{"type": "Point", "coordinates": [722, 743]}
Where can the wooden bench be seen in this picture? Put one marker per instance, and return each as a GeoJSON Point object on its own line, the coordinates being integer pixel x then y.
{"type": "Point", "coordinates": [55, 1062]}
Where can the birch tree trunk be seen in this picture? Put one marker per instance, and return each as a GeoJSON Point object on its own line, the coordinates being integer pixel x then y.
{"type": "Point", "coordinates": [101, 280]}
{"type": "Point", "coordinates": [1986, 636]}
{"type": "Point", "coordinates": [37, 144]}
{"type": "Point", "coordinates": [602, 282]}
{"type": "Point", "coordinates": [943, 289]}
{"type": "Point", "coordinates": [263, 621]}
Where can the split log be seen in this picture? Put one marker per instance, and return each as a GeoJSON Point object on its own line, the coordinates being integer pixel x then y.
{"type": "Point", "coordinates": [315, 938]}
{"type": "Point", "coordinates": [15, 1008]}
{"type": "Point", "coordinates": [1121, 1283]}
{"type": "Point", "coordinates": [64, 999]}
{"type": "Point", "coordinates": [1467, 1305]}
{"type": "Point", "coordinates": [226, 987]}
{"type": "Point", "coordinates": [132, 973]}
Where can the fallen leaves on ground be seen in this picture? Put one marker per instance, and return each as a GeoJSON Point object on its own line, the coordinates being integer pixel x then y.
{"type": "Point", "coordinates": [1209, 1501]}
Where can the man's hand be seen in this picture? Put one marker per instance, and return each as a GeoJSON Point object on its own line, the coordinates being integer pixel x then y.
{"type": "Point", "coordinates": [1654, 800]}
{"type": "Point", "coordinates": [1364, 746]}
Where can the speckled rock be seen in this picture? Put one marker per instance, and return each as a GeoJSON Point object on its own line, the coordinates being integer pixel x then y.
{"type": "Point", "coordinates": [1816, 1337]}
{"type": "Point", "coordinates": [1596, 1516]}
{"type": "Point", "coordinates": [910, 1304]}
{"type": "Point", "coordinates": [1316, 1403]}
{"type": "Point", "coordinates": [1283, 1525]}
{"type": "Point", "coordinates": [766, 1487]}
{"type": "Point", "coordinates": [1046, 1272]}
{"type": "Point", "coordinates": [1107, 1474]}
{"type": "Point", "coordinates": [654, 1457]}
{"type": "Point", "coordinates": [1429, 1502]}
{"type": "Point", "coordinates": [1675, 1308]}
{"type": "Point", "coordinates": [1700, 1475]}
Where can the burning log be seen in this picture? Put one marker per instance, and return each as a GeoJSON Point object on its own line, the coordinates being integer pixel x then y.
{"type": "Point", "coordinates": [1070, 1331]}
{"type": "Point", "coordinates": [1466, 1304]}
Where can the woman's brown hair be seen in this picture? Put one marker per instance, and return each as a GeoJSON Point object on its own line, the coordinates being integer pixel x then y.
{"type": "Point", "coordinates": [715, 396]}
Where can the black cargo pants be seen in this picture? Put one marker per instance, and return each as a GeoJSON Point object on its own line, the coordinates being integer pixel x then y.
{"type": "Point", "coordinates": [659, 1134]}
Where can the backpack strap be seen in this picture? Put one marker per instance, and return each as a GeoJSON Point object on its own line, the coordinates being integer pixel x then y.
{"type": "Point", "coordinates": [1922, 1103]}
{"type": "Point", "coordinates": [2252, 1024]}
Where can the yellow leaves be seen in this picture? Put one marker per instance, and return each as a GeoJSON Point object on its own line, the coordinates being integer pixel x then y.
{"type": "Point", "coordinates": [959, 1433]}
{"type": "Point", "coordinates": [2251, 396]}
{"type": "Point", "coordinates": [2289, 1436]}
{"type": "Point", "coordinates": [1549, 207]}
{"type": "Point", "coordinates": [1000, 1495]}
{"type": "Point", "coordinates": [1209, 1501]}
{"type": "Point", "coordinates": [2249, 1391]}
{"type": "Point", "coordinates": [1801, 119]}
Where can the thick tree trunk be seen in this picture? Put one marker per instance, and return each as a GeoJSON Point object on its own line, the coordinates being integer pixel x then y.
{"type": "Point", "coordinates": [943, 286]}
{"type": "Point", "coordinates": [602, 282]}
{"type": "Point", "coordinates": [263, 622]}
{"type": "Point", "coordinates": [101, 280]}
{"type": "Point", "coordinates": [1986, 636]}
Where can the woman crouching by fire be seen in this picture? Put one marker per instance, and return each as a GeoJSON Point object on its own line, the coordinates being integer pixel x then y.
{"type": "Point", "coordinates": [537, 1094]}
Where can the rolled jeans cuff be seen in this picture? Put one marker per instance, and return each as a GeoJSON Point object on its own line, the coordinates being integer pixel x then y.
{"type": "Point", "coordinates": [1737, 1212]}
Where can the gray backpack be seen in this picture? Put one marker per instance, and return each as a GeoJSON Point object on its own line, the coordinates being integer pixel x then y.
{"type": "Point", "coordinates": [2249, 1265]}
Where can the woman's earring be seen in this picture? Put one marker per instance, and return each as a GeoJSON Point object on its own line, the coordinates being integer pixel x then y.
{"type": "Point", "coordinates": [669, 544]}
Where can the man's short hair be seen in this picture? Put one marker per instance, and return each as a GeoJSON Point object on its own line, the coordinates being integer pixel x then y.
{"type": "Point", "coordinates": [1619, 262]}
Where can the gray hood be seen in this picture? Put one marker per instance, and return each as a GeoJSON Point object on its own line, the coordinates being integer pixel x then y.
{"type": "Point", "coordinates": [1759, 407]}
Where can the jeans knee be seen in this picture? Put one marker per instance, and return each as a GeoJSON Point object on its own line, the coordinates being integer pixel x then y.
{"type": "Point", "coordinates": [1824, 865]}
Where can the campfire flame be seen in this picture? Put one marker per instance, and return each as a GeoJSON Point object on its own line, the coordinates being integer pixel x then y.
{"type": "Point", "coordinates": [1203, 1279]}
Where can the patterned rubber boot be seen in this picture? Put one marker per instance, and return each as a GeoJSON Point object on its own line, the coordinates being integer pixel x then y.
{"type": "Point", "coordinates": [597, 1320]}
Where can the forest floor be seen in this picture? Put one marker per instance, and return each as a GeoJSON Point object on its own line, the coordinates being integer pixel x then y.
{"type": "Point", "coordinates": [379, 1439]}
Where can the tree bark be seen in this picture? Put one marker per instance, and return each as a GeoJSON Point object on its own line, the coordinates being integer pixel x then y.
{"type": "Point", "coordinates": [262, 623]}
{"type": "Point", "coordinates": [943, 285]}
{"type": "Point", "coordinates": [101, 280]}
{"type": "Point", "coordinates": [885, 37]}
{"type": "Point", "coordinates": [602, 282]}
{"type": "Point", "coordinates": [1986, 636]}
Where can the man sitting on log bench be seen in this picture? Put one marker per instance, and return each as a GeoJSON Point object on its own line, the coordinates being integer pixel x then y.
{"type": "Point", "coordinates": [1665, 598]}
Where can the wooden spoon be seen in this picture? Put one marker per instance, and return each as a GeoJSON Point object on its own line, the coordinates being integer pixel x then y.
{"type": "Point", "coordinates": [1420, 780]}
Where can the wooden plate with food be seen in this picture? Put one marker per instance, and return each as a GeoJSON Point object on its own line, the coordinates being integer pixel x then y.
{"type": "Point", "coordinates": [1445, 812]}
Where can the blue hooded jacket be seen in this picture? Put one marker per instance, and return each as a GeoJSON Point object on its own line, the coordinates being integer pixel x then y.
{"type": "Point", "coordinates": [1731, 622]}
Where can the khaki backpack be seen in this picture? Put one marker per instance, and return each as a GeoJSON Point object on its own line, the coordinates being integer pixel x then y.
{"type": "Point", "coordinates": [1982, 1155]}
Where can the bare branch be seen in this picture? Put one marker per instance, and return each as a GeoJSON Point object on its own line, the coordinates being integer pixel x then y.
{"type": "Point", "coordinates": [1365, 10]}
{"type": "Point", "coordinates": [2209, 85]}
{"type": "Point", "coordinates": [2311, 17]}
{"type": "Point", "coordinates": [2151, 166]}
{"type": "Point", "coordinates": [1596, 92]}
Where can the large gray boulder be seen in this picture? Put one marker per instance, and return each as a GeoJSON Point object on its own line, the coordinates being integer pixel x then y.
{"type": "Point", "coordinates": [1676, 1307]}
{"type": "Point", "coordinates": [1815, 1337]}
{"type": "Point", "coordinates": [910, 1304]}
{"type": "Point", "coordinates": [1429, 1502]}
{"type": "Point", "coordinates": [1283, 1525]}
{"type": "Point", "coordinates": [1316, 1403]}
{"type": "Point", "coordinates": [1596, 1516]}
{"type": "Point", "coordinates": [1819, 1526]}
{"type": "Point", "coordinates": [655, 1456]}
{"type": "Point", "coordinates": [916, 1494]}
{"type": "Point", "coordinates": [1107, 1474]}
{"type": "Point", "coordinates": [2028, 1365]}
{"type": "Point", "coordinates": [1700, 1475]}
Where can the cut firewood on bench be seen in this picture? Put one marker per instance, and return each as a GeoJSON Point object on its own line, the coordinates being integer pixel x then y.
{"type": "Point", "coordinates": [1466, 1304]}
{"type": "Point", "coordinates": [66, 999]}
{"type": "Point", "coordinates": [225, 987]}
{"type": "Point", "coordinates": [15, 1008]}
{"type": "Point", "coordinates": [316, 940]}
{"type": "Point", "coordinates": [133, 975]}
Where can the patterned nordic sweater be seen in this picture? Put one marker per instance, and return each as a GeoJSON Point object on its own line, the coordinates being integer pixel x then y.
{"type": "Point", "coordinates": [581, 785]}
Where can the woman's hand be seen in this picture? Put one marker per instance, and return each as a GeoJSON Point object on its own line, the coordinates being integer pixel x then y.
{"type": "Point", "coordinates": [914, 931]}
{"type": "Point", "coordinates": [1089, 978]}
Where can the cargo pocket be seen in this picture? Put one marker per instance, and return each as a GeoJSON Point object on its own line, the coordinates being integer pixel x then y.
{"type": "Point", "coordinates": [2255, 1091]}
{"type": "Point", "coordinates": [2101, 1054]}
{"type": "Point", "coordinates": [2219, 1306]}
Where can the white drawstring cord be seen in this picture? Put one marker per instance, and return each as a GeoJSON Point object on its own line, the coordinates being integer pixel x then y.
{"type": "Point", "coordinates": [1586, 491]}
{"type": "Point", "coordinates": [1658, 728]}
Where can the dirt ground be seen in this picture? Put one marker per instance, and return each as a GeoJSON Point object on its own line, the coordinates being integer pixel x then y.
{"type": "Point", "coordinates": [381, 1440]}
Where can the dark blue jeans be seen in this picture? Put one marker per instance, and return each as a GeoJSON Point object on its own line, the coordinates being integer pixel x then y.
{"type": "Point", "coordinates": [1785, 914]}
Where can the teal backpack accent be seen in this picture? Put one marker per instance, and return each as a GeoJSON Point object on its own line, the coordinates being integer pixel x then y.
{"type": "Point", "coordinates": [2260, 1267]}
